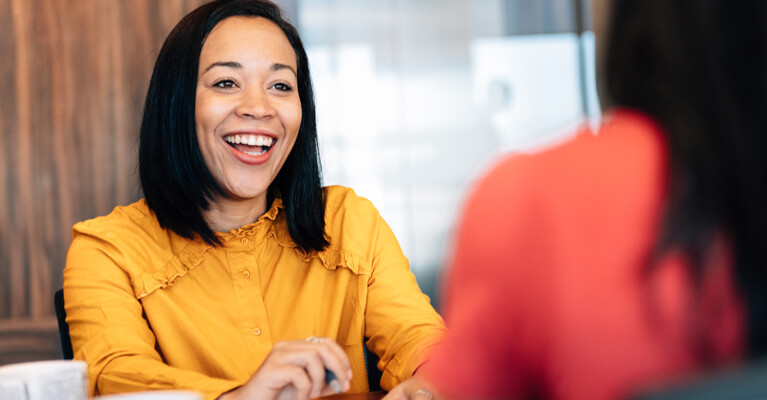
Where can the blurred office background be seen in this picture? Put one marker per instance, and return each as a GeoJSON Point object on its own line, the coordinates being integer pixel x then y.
{"type": "Point", "coordinates": [415, 98]}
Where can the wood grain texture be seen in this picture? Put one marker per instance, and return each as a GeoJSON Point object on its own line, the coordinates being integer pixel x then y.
{"type": "Point", "coordinates": [356, 396]}
{"type": "Point", "coordinates": [73, 77]}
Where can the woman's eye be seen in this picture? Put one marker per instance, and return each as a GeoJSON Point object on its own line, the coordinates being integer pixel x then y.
{"type": "Point", "coordinates": [224, 84]}
{"type": "Point", "coordinates": [282, 87]}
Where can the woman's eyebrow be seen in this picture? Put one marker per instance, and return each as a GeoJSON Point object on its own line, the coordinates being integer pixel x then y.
{"type": "Point", "coordinates": [278, 66]}
{"type": "Point", "coordinates": [228, 64]}
{"type": "Point", "coordinates": [236, 65]}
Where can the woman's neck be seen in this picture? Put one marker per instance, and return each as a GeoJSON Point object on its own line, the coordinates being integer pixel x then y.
{"type": "Point", "coordinates": [227, 214]}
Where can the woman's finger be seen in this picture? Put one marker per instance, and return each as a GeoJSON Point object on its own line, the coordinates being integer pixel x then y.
{"type": "Point", "coordinates": [274, 378]}
{"type": "Point", "coordinates": [413, 388]}
{"type": "Point", "coordinates": [315, 368]}
{"type": "Point", "coordinates": [303, 385]}
{"type": "Point", "coordinates": [293, 381]}
{"type": "Point", "coordinates": [341, 354]}
{"type": "Point", "coordinates": [335, 347]}
{"type": "Point", "coordinates": [421, 394]}
{"type": "Point", "coordinates": [333, 358]}
{"type": "Point", "coordinates": [396, 394]}
{"type": "Point", "coordinates": [316, 357]}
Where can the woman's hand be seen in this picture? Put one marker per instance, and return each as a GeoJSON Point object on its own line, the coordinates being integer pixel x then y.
{"type": "Point", "coordinates": [295, 370]}
{"type": "Point", "coordinates": [414, 388]}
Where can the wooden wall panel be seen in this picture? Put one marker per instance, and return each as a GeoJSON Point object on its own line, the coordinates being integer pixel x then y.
{"type": "Point", "coordinates": [73, 75]}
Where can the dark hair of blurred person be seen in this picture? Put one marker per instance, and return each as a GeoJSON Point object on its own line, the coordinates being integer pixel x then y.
{"type": "Point", "coordinates": [177, 184]}
{"type": "Point", "coordinates": [633, 256]}
{"type": "Point", "coordinates": [699, 69]}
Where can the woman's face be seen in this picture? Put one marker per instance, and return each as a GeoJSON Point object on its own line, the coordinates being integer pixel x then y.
{"type": "Point", "coordinates": [247, 107]}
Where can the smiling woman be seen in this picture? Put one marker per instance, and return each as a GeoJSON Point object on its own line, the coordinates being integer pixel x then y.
{"type": "Point", "coordinates": [239, 275]}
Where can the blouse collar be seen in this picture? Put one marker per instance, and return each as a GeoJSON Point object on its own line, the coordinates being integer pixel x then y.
{"type": "Point", "coordinates": [262, 224]}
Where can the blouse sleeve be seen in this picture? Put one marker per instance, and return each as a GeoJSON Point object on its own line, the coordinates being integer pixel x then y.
{"type": "Point", "coordinates": [400, 322]}
{"type": "Point", "coordinates": [108, 329]}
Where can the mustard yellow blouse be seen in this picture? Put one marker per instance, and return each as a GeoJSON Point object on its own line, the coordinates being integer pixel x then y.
{"type": "Point", "coordinates": [148, 309]}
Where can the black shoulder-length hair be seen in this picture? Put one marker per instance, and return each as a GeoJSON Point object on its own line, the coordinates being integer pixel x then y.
{"type": "Point", "coordinates": [176, 182]}
{"type": "Point", "coordinates": [699, 68]}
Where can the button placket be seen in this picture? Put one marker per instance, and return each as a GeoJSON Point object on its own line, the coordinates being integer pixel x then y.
{"type": "Point", "coordinates": [246, 283]}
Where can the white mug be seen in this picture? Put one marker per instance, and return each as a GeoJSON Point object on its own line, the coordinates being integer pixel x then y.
{"type": "Point", "coordinates": [154, 395]}
{"type": "Point", "coordinates": [44, 380]}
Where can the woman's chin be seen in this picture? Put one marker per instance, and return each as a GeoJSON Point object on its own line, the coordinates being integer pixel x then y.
{"type": "Point", "coordinates": [245, 195]}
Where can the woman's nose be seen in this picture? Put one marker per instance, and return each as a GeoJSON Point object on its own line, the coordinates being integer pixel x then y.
{"type": "Point", "coordinates": [255, 103]}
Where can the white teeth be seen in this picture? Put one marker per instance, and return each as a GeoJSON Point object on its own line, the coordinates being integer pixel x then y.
{"type": "Point", "coordinates": [250, 140]}
{"type": "Point", "coordinates": [255, 153]}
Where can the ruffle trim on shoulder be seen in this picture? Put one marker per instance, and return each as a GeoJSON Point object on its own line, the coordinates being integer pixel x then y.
{"type": "Point", "coordinates": [334, 258]}
{"type": "Point", "coordinates": [331, 258]}
{"type": "Point", "coordinates": [146, 283]}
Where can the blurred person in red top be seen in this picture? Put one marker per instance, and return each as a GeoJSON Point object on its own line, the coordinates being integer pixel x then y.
{"type": "Point", "coordinates": [636, 254]}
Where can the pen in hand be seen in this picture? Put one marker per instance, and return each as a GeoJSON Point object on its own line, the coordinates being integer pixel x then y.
{"type": "Point", "coordinates": [332, 381]}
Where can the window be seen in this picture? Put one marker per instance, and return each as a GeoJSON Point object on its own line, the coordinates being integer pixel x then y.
{"type": "Point", "coordinates": [414, 97]}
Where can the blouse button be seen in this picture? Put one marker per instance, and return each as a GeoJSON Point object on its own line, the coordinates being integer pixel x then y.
{"type": "Point", "coordinates": [257, 331]}
{"type": "Point", "coordinates": [244, 240]}
{"type": "Point", "coordinates": [246, 274]}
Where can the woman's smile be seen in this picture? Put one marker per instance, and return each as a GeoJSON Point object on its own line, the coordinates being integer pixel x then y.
{"type": "Point", "coordinates": [251, 148]}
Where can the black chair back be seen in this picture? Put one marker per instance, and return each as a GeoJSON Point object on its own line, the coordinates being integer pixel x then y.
{"type": "Point", "coordinates": [61, 318]}
{"type": "Point", "coordinates": [371, 367]}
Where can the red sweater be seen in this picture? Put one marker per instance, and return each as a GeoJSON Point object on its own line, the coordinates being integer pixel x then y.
{"type": "Point", "coordinates": [548, 293]}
